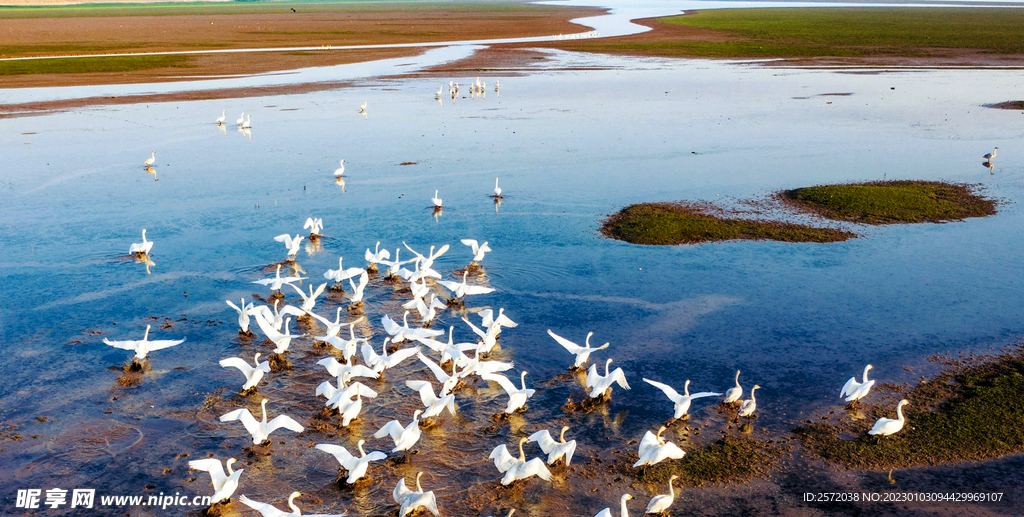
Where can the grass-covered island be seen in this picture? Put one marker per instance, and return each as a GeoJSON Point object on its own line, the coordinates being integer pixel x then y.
{"type": "Point", "coordinates": [966, 413]}
{"type": "Point", "coordinates": [682, 223]}
{"type": "Point", "coordinates": [890, 202]}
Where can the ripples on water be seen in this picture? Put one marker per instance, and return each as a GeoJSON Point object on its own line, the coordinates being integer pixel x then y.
{"type": "Point", "coordinates": [569, 148]}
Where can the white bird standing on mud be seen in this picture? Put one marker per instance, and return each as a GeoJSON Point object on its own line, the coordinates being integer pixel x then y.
{"type": "Point", "coordinates": [253, 374]}
{"type": "Point", "coordinates": [733, 394]}
{"type": "Point", "coordinates": [291, 243]}
{"type": "Point", "coordinates": [749, 406]}
{"type": "Point", "coordinates": [889, 426]}
{"type": "Point", "coordinates": [654, 449]}
{"type": "Point", "coordinates": [479, 250]}
{"type": "Point", "coordinates": [582, 353]}
{"type": "Point", "coordinates": [277, 281]}
{"type": "Point", "coordinates": [224, 485]}
{"type": "Point", "coordinates": [141, 248]}
{"type": "Point", "coordinates": [355, 465]}
{"type": "Point", "coordinates": [260, 430]}
{"type": "Point", "coordinates": [404, 437]}
{"type": "Point", "coordinates": [661, 503]}
{"type": "Point", "coordinates": [143, 346]}
{"type": "Point", "coordinates": [623, 512]}
{"type": "Point", "coordinates": [553, 449]}
{"type": "Point", "coordinates": [410, 500]}
{"type": "Point", "coordinates": [601, 385]}
{"type": "Point", "coordinates": [682, 402]}
{"type": "Point", "coordinates": [853, 390]}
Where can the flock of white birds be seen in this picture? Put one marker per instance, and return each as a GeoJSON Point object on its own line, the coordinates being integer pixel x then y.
{"type": "Point", "coordinates": [465, 360]}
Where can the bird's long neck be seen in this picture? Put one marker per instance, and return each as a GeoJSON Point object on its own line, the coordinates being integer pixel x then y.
{"type": "Point", "coordinates": [561, 437]}
{"type": "Point", "coordinates": [587, 342]}
{"type": "Point", "coordinates": [737, 379]}
{"type": "Point", "coordinates": [899, 412]}
{"type": "Point", "coordinates": [686, 388]}
{"type": "Point", "coordinates": [866, 368]}
{"type": "Point", "coordinates": [522, 380]}
{"type": "Point", "coordinates": [145, 337]}
{"type": "Point", "coordinates": [361, 451]}
{"type": "Point", "coordinates": [144, 230]}
{"type": "Point", "coordinates": [671, 490]}
{"type": "Point", "coordinates": [291, 504]}
{"type": "Point", "coordinates": [522, 455]}
{"type": "Point", "coordinates": [606, 365]}
{"type": "Point", "coordinates": [752, 398]}
{"type": "Point", "coordinates": [625, 511]}
{"type": "Point", "coordinates": [418, 487]}
{"type": "Point", "coordinates": [264, 408]}
{"type": "Point", "coordinates": [228, 465]}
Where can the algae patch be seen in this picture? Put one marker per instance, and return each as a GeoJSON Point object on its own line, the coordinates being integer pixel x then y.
{"type": "Point", "coordinates": [729, 459]}
{"type": "Point", "coordinates": [891, 202]}
{"type": "Point", "coordinates": [684, 223]}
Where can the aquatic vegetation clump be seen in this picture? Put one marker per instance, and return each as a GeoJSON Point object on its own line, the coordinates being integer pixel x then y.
{"type": "Point", "coordinates": [891, 202]}
{"type": "Point", "coordinates": [966, 413]}
{"type": "Point", "coordinates": [683, 223]}
{"type": "Point", "coordinates": [1008, 105]}
{"type": "Point", "coordinates": [729, 459]}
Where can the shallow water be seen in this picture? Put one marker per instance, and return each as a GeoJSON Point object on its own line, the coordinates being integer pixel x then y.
{"type": "Point", "coordinates": [569, 147]}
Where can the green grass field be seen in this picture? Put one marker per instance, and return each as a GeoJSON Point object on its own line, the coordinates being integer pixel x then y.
{"type": "Point", "coordinates": [892, 202]}
{"type": "Point", "coordinates": [807, 32]}
{"type": "Point", "coordinates": [90, 64]}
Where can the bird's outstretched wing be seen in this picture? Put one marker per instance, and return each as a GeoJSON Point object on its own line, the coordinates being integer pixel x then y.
{"type": "Point", "coordinates": [672, 394]}
{"type": "Point", "coordinates": [544, 439]}
{"type": "Point", "coordinates": [573, 348]}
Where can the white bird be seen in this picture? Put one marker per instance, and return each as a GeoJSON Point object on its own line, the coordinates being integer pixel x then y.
{"type": "Point", "coordinates": [333, 327]}
{"type": "Point", "coordinates": [749, 406]}
{"type": "Point", "coordinates": [488, 339]}
{"type": "Point", "coordinates": [404, 332]}
{"type": "Point", "coordinates": [461, 289]}
{"type": "Point", "coordinates": [394, 266]}
{"type": "Point", "coordinates": [516, 397]}
{"type": "Point", "coordinates": [348, 347]}
{"type": "Point", "coordinates": [448, 382]}
{"type": "Point", "coordinates": [308, 301]}
{"type": "Point", "coordinates": [853, 390]}
{"type": "Point", "coordinates": [427, 308]}
{"type": "Point", "coordinates": [379, 363]}
{"type": "Point", "coordinates": [243, 315]}
{"type": "Point", "coordinates": [497, 189]}
{"type": "Point", "coordinates": [990, 156]}
{"type": "Point", "coordinates": [355, 465]}
{"type": "Point", "coordinates": [141, 248]}
{"type": "Point", "coordinates": [337, 369]}
{"type": "Point", "coordinates": [277, 281]}
{"type": "Point", "coordinates": [654, 449]}
{"type": "Point", "coordinates": [553, 449]}
{"type": "Point", "coordinates": [315, 226]}
{"type": "Point", "coordinates": [404, 437]}
{"type": "Point", "coordinates": [426, 262]}
{"type": "Point", "coordinates": [248, 122]}
{"type": "Point", "coordinates": [223, 115]}
{"type": "Point", "coordinates": [350, 409]}
{"type": "Point", "coordinates": [224, 485]}
{"type": "Point", "coordinates": [241, 119]}
{"type": "Point", "coordinates": [438, 94]}
{"type": "Point", "coordinates": [479, 250]}
{"type": "Point", "coordinates": [733, 394]}
{"type": "Point", "coordinates": [281, 341]}
{"type": "Point", "coordinates": [151, 160]}
{"type": "Point", "coordinates": [682, 402]}
{"type": "Point", "coordinates": [410, 500]}
{"type": "Point", "coordinates": [358, 290]}
{"type": "Point", "coordinates": [450, 351]}
{"type": "Point", "coordinates": [436, 200]}
{"type": "Point", "coordinates": [253, 374]}
{"type": "Point", "coordinates": [340, 170]}
{"type": "Point", "coordinates": [478, 367]}
{"type": "Point", "coordinates": [624, 512]}
{"type": "Point", "coordinates": [434, 405]}
{"type": "Point", "coordinates": [362, 107]}
{"type": "Point", "coordinates": [516, 469]}
{"type": "Point", "coordinates": [341, 274]}
{"type": "Point", "coordinates": [261, 430]}
{"type": "Point", "coordinates": [661, 503]}
{"type": "Point", "coordinates": [888, 426]}
{"type": "Point", "coordinates": [291, 243]}
{"type": "Point", "coordinates": [274, 317]}
{"type": "Point", "coordinates": [376, 256]}
{"type": "Point", "coordinates": [143, 346]}
{"type": "Point", "coordinates": [345, 393]}
{"type": "Point", "coordinates": [489, 321]}
{"type": "Point", "coordinates": [601, 384]}
{"type": "Point", "coordinates": [582, 353]}
{"type": "Point", "coordinates": [268, 510]}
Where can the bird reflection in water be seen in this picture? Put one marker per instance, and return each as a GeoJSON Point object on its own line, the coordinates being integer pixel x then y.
{"type": "Point", "coordinates": [144, 259]}
{"type": "Point", "coordinates": [497, 203]}
{"type": "Point", "coordinates": [338, 180]}
{"type": "Point", "coordinates": [438, 211]}
{"type": "Point", "coordinates": [152, 171]}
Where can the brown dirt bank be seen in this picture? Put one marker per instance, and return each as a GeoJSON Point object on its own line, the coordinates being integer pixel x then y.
{"type": "Point", "coordinates": [53, 32]}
